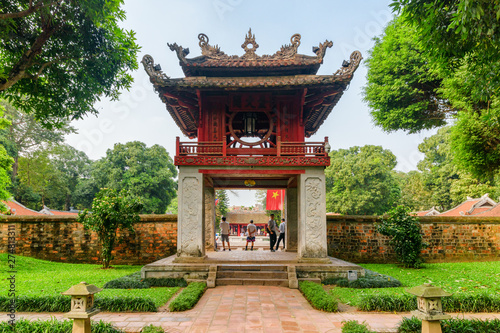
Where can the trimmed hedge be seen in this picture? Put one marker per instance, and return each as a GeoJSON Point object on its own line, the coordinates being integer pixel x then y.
{"type": "Point", "coordinates": [188, 297]}
{"type": "Point", "coordinates": [53, 326]}
{"type": "Point", "coordinates": [63, 304]}
{"type": "Point", "coordinates": [134, 281]}
{"type": "Point", "coordinates": [454, 303]}
{"type": "Point", "coordinates": [414, 325]}
{"type": "Point", "coordinates": [318, 297]}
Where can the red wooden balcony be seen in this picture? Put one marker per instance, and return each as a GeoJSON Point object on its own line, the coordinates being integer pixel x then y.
{"type": "Point", "coordinates": [284, 153]}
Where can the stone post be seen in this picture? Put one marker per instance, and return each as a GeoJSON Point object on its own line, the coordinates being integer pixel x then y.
{"type": "Point", "coordinates": [291, 220]}
{"type": "Point", "coordinates": [82, 306]}
{"type": "Point", "coordinates": [191, 222]}
{"type": "Point", "coordinates": [430, 309]}
{"type": "Point", "coordinates": [209, 218]}
{"type": "Point", "coordinates": [312, 244]}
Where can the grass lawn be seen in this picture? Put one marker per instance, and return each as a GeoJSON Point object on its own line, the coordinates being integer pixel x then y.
{"type": "Point", "coordinates": [465, 278]}
{"type": "Point", "coordinates": [36, 277]}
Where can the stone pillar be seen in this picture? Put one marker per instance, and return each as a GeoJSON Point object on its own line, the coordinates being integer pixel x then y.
{"type": "Point", "coordinates": [191, 222]}
{"type": "Point", "coordinates": [291, 219]}
{"type": "Point", "coordinates": [209, 218]}
{"type": "Point", "coordinates": [312, 242]}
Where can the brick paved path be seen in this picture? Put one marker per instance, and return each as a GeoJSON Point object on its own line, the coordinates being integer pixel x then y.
{"type": "Point", "coordinates": [249, 309]}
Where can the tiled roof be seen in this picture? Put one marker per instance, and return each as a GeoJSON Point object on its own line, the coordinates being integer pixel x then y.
{"type": "Point", "coordinates": [471, 207]}
{"type": "Point", "coordinates": [20, 210]}
{"type": "Point", "coordinates": [429, 212]}
{"type": "Point", "coordinates": [494, 211]}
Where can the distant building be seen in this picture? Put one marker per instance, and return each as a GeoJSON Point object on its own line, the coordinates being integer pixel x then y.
{"type": "Point", "coordinates": [471, 207]}
{"type": "Point", "coordinates": [18, 209]}
{"type": "Point", "coordinates": [430, 212]}
{"type": "Point", "coordinates": [239, 217]}
{"type": "Point", "coordinates": [15, 208]}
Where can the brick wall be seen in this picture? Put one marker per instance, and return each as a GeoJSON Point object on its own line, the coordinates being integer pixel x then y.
{"type": "Point", "coordinates": [61, 238]}
{"type": "Point", "coordinates": [355, 239]}
{"type": "Point", "coordinates": [352, 238]}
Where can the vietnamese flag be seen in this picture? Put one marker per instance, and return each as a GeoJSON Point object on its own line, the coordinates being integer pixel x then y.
{"type": "Point", "coordinates": [274, 200]}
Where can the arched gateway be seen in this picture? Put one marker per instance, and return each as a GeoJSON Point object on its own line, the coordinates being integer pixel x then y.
{"type": "Point", "coordinates": [251, 115]}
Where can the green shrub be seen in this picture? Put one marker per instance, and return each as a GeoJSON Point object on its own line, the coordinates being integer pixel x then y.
{"type": "Point", "coordinates": [134, 281]}
{"type": "Point", "coordinates": [63, 304]}
{"type": "Point", "coordinates": [53, 326]}
{"type": "Point", "coordinates": [472, 303]}
{"type": "Point", "coordinates": [400, 303]}
{"type": "Point", "coordinates": [318, 297]}
{"type": "Point", "coordinates": [188, 298]}
{"type": "Point", "coordinates": [152, 329]}
{"type": "Point", "coordinates": [122, 304]}
{"type": "Point", "coordinates": [352, 326]}
{"type": "Point", "coordinates": [414, 325]}
{"type": "Point", "coordinates": [406, 239]}
{"type": "Point", "coordinates": [455, 303]}
{"type": "Point", "coordinates": [370, 280]}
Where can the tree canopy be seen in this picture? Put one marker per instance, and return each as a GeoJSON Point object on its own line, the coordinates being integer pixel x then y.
{"type": "Point", "coordinates": [58, 57]}
{"type": "Point", "coordinates": [458, 43]}
{"type": "Point", "coordinates": [359, 181]}
{"type": "Point", "coordinates": [146, 172]}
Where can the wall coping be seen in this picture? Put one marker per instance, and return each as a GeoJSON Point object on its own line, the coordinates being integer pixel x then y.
{"type": "Point", "coordinates": [422, 219]}
{"type": "Point", "coordinates": [72, 219]}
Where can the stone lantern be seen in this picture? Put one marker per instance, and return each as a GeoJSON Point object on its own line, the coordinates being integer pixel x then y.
{"type": "Point", "coordinates": [82, 306]}
{"type": "Point", "coordinates": [430, 309]}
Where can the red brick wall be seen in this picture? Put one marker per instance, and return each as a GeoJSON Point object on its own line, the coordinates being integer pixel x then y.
{"type": "Point", "coordinates": [60, 238]}
{"type": "Point", "coordinates": [352, 238]}
{"type": "Point", "coordinates": [355, 239]}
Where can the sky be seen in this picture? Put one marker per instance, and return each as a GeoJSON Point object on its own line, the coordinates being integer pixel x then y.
{"type": "Point", "coordinates": [140, 115]}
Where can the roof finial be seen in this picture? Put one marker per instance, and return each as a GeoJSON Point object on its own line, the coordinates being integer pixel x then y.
{"type": "Point", "coordinates": [250, 50]}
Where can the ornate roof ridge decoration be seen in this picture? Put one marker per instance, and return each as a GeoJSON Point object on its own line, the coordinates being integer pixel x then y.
{"type": "Point", "coordinates": [348, 67]}
{"type": "Point", "coordinates": [156, 76]}
{"type": "Point", "coordinates": [287, 51]}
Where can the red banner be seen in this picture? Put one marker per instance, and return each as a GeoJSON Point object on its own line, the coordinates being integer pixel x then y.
{"type": "Point", "coordinates": [274, 200]}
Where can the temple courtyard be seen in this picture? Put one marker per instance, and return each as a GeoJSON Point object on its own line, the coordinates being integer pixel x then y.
{"type": "Point", "coordinates": [252, 309]}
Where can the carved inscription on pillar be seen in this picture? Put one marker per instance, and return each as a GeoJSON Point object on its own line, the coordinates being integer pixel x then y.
{"type": "Point", "coordinates": [191, 210]}
{"type": "Point", "coordinates": [209, 217]}
{"type": "Point", "coordinates": [314, 228]}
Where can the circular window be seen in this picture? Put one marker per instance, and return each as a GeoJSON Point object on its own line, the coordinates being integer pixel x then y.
{"type": "Point", "coordinates": [251, 128]}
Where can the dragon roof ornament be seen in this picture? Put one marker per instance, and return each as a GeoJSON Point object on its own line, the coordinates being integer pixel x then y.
{"type": "Point", "coordinates": [250, 45]}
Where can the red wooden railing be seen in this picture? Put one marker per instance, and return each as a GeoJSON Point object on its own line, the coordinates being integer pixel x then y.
{"type": "Point", "coordinates": [281, 149]}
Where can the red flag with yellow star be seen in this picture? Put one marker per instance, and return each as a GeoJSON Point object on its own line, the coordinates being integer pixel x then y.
{"type": "Point", "coordinates": [274, 200]}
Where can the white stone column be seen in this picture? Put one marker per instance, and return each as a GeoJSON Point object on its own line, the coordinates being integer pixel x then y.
{"type": "Point", "coordinates": [312, 242]}
{"type": "Point", "coordinates": [291, 219]}
{"type": "Point", "coordinates": [191, 222]}
{"type": "Point", "coordinates": [209, 218]}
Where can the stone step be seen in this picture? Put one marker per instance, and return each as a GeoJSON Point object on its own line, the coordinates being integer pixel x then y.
{"type": "Point", "coordinates": [252, 274]}
{"type": "Point", "coordinates": [317, 280]}
{"type": "Point", "coordinates": [274, 268]}
{"type": "Point", "coordinates": [252, 282]}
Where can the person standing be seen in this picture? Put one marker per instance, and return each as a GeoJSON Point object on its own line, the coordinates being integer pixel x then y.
{"type": "Point", "coordinates": [224, 231]}
{"type": "Point", "coordinates": [272, 229]}
{"type": "Point", "coordinates": [282, 229]}
{"type": "Point", "coordinates": [252, 230]}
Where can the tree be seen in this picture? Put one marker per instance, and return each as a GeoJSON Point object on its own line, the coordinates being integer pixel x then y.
{"type": "Point", "coordinates": [58, 57]}
{"type": "Point", "coordinates": [414, 193]}
{"type": "Point", "coordinates": [26, 134]}
{"type": "Point", "coordinates": [402, 84]}
{"type": "Point", "coordinates": [460, 41]}
{"type": "Point", "coordinates": [5, 166]}
{"type": "Point", "coordinates": [146, 172]}
{"type": "Point", "coordinates": [222, 206]}
{"type": "Point", "coordinates": [359, 180]}
{"type": "Point", "coordinates": [406, 239]}
{"type": "Point", "coordinates": [111, 210]}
